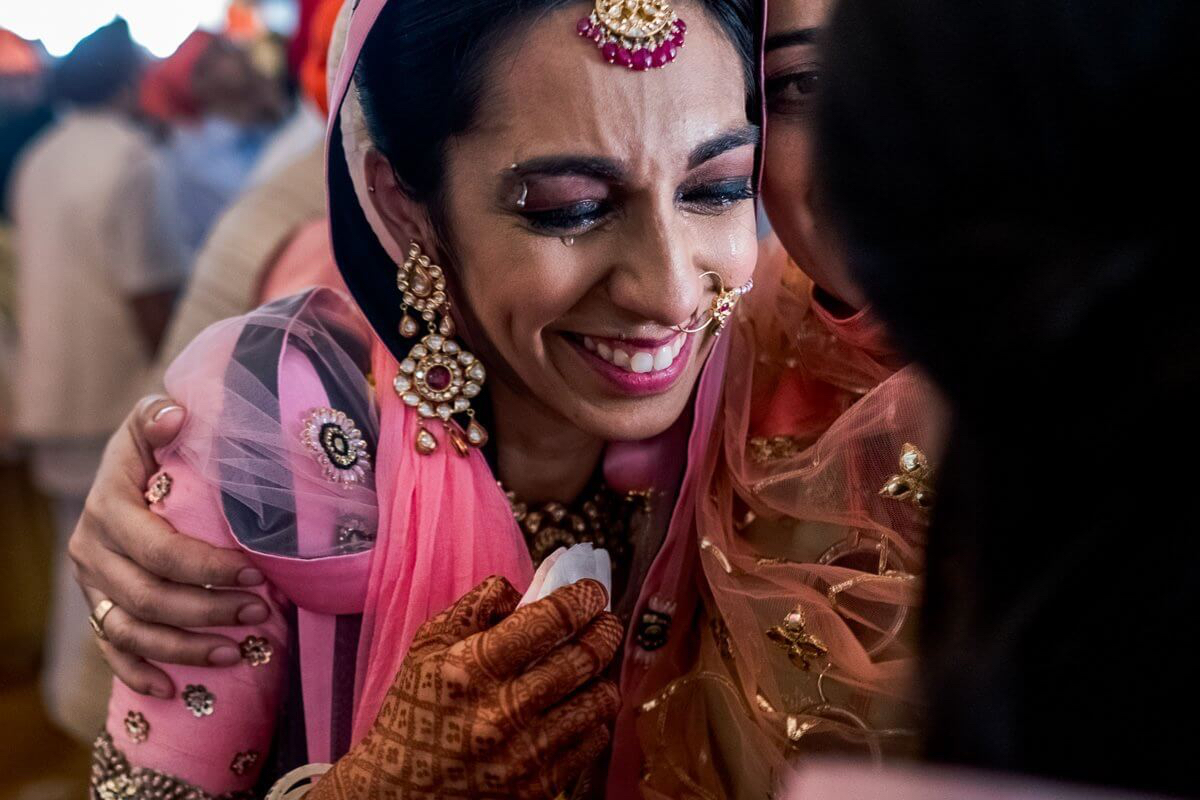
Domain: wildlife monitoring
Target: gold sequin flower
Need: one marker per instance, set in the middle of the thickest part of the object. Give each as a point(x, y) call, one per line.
point(159, 489)
point(243, 762)
point(256, 651)
point(136, 726)
point(199, 700)
point(338, 445)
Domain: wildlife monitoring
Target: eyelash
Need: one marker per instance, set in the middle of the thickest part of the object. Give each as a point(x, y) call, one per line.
point(779, 103)
point(579, 218)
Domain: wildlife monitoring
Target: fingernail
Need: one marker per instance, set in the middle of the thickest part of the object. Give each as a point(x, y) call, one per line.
point(161, 692)
point(249, 577)
point(224, 656)
point(252, 614)
point(162, 412)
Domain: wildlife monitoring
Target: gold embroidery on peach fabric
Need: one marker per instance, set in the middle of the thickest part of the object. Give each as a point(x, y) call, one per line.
point(765, 449)
point(801, 646)
point(707, 546)
point(914, 483)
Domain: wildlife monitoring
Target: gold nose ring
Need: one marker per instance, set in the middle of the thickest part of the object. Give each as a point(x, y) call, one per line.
point(722, 305)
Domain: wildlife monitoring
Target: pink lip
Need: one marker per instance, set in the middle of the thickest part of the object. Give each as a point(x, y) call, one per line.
point(632, 383)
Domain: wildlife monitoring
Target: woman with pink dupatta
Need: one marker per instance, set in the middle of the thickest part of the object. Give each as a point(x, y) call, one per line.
point(800, 428)
point(542, 238)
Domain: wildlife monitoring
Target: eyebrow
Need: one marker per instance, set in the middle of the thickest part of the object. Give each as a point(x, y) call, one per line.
point(591, 166)
point(792, 38)
point(723, 143)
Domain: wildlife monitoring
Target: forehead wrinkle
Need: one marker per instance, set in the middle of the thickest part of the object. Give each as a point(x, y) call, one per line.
point(670, 110)
point(784, 15)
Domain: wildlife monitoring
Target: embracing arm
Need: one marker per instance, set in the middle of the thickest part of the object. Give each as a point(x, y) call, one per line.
point(211, 734)
point(124, 552)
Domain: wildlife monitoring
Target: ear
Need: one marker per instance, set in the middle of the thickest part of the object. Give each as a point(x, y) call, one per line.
point(405, 219)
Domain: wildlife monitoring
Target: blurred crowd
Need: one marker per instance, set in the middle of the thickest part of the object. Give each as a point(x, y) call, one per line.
point(115, 169)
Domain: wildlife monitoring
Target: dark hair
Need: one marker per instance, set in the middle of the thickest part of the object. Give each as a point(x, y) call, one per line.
point(1007, 177)
point(422, 73)
point(99, 67)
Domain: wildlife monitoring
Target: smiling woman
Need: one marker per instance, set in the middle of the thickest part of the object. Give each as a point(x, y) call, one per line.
point(541, 243)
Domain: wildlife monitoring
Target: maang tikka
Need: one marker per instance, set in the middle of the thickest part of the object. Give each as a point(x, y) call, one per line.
point(636, 34)
point(438, 378)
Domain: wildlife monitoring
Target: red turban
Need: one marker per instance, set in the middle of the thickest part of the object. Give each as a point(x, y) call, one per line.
point(167, 91)
point(316, 57)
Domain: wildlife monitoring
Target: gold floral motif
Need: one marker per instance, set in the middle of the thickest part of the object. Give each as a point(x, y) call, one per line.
point(243, 762)
point(159, 489)
point(256, 651)
point(199, 700)
point(136, 727)
point(764, 450)
point(802, 647)
point(914, 483)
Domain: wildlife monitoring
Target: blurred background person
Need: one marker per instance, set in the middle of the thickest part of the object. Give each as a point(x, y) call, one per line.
point(304, 129)
point(221, 112)
point(274, 239)
point(24, 112)
point(26, 531)
point(95, 286)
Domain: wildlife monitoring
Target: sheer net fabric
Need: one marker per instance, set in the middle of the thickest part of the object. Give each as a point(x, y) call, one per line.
point(244, 473)
point(809, 576)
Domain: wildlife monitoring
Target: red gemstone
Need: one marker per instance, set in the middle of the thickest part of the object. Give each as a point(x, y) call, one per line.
point(661, 56)
point(625, 57)
point(584, 27)
point(681, 25)
point(642, 60)
point(610, 52)
point(677, 38)
point(438, 378)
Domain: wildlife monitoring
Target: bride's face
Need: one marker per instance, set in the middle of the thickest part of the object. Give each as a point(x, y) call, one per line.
point(633, 184)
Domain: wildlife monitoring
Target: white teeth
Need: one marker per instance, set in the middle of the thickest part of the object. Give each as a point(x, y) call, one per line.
point(664, 357)
point(641, 363)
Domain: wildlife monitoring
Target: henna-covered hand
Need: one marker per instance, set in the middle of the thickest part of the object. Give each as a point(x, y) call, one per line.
point(491, 702)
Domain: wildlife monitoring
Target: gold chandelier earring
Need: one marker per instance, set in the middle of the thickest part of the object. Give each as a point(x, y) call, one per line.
point(438, 379)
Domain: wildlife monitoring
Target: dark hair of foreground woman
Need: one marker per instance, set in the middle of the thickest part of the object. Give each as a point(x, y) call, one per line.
point(1009, 178)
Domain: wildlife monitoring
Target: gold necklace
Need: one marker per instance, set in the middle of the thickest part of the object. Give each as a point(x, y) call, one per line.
point(603, 519)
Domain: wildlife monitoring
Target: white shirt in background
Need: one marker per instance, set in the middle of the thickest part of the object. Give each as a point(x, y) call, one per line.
point(87, 241)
